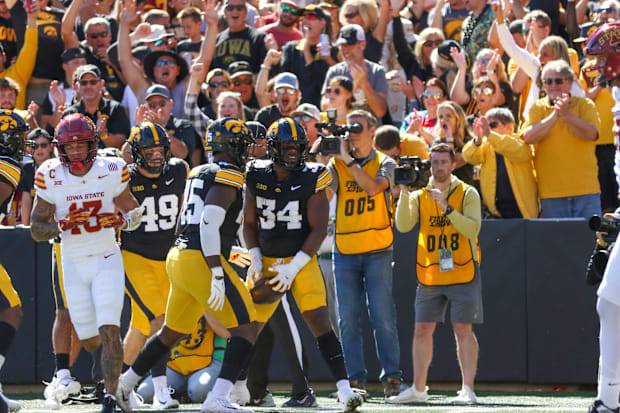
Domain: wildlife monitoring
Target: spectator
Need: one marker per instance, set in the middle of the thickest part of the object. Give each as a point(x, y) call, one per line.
point(369, 84)
point(61, 94)
point(564, 129)
point(304, 58)
point(243, 83)
point(476, 27)
point(9, 40)
point(422, 123)
point(41, 149)
point(448, 16)
point(191, 20)
point(448, 271)
point(338, 95)
point(307, 115)
point(287, 96)
point(229, 105)
point(363, 253)
point(25, 64)
point(109, 116)
point(443, 64)
point(371, 19)
point(417, 63)
point(239, 41)
point(218, 81)
point(507, 181)
point(285, 29)
point(453, 129)
point(388, 140)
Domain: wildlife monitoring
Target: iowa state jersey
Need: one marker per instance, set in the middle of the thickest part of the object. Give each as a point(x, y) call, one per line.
point(160, 200)
point(10, 173)
point(94, 192)
point(281, 207)
point(200, 180)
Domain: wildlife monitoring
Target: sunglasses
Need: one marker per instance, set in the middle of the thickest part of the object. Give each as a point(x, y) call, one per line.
point(351, 15)
point(430, 43)
point(155, 105)
point(551, 80)
point(283, 90)
point(289, 9)
point(330, 89)
point(436, 95)
point(161, 42)
point(245, 81)
point(215, 85)
point(233, 7)
point(166, 63)
point(493, 124)
point(97, 35)
point(43, 145)
point(304, 118)
point(483, 90)
point(605, 10)
point(310, 16)
point(91, 82)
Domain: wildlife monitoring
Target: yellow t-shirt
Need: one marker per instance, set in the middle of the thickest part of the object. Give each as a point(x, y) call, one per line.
point(411, 145)
point(565, 164)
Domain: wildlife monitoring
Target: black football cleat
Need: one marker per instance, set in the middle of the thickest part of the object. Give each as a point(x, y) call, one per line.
point(599, 407)
point(108, 405)
point(4, 408)
point(305, 399)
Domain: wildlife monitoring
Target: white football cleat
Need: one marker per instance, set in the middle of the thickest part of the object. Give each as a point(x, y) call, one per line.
point(125, 396)
point(215, 405)
point(12, 405)
point(59, 390)
point(465, 396)
point(239, 393)
point(411, 395)
point(349, 399)
point(162, 399)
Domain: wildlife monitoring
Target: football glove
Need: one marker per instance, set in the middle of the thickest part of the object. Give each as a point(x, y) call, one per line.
point(240, 257)
point(255, 271)
point(73, 219)
point(218, 289)
point(111, 220)
point(286, 273)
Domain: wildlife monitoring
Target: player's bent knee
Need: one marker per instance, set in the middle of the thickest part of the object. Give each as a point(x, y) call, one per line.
point(318, 321)
point(91, 344)
point(168, 336)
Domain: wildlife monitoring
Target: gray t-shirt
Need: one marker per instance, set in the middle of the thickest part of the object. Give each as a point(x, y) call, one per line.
point(376, 78)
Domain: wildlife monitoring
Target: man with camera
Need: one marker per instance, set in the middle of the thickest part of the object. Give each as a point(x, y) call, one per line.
point(448, 272)
point(363, 251)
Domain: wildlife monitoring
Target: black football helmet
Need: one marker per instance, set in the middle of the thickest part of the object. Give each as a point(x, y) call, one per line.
point(13, 130)
point(149, 135)
point(231, 136)
point(287, 131)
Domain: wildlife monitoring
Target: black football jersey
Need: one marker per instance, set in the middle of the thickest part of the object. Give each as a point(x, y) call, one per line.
point(160, 199)
point(200, 180)
point(281, 206)
point(10, 174)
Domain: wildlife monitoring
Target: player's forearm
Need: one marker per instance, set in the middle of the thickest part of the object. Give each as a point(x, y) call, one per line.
point(43, 231)
point(314, 240)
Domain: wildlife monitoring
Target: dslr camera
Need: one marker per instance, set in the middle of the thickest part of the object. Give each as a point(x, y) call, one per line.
point(330, 144)
point(412, 171)
point(600, 255)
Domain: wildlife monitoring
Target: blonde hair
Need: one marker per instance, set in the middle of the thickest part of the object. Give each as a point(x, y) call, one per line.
point(234, 96)
point(462, 133)
point(419, 44)
point(559, 47)
point(367, 9)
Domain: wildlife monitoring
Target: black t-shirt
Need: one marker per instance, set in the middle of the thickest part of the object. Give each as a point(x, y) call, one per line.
point(118, 122)
point(113, 82)
point(373, 49)
point(182, 129)
point(8, 38)
point(188, 46)
point(505, 200)
point(48, 64)
point(247, 45)
point(268, 115)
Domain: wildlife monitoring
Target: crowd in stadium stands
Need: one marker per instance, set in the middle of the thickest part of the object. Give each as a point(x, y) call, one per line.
point(505, 84)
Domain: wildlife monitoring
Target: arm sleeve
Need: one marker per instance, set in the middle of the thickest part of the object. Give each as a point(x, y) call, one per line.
point(512, 148)
point(22, 70)
point(524, 59)
point(407, 211)
point(469, 222)
point(406, 58)
point(472, 153)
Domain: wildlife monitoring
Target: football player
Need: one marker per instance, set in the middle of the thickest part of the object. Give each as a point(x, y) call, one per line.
point(76, 196)
point(12, 137)
point(157, 181)
point(284, 222)
point(604, 43)
point(200, 277)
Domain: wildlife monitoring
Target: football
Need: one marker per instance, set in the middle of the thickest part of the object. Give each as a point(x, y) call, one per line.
point(262, 293)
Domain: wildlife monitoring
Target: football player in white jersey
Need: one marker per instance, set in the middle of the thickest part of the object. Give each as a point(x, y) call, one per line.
point(77, 195)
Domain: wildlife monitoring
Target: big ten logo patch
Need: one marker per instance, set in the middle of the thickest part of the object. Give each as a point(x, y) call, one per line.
point(352, 186)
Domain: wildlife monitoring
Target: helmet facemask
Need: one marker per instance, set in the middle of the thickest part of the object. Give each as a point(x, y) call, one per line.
point(278, 153)
point(12, 143)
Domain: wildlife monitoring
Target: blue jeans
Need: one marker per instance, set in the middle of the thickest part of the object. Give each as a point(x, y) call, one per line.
point(582, 206)
point(364, 284)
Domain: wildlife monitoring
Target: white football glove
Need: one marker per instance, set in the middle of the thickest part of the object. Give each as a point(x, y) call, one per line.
point(286, 273)
point(218, 289)
point(240, 257)
point(255, 271)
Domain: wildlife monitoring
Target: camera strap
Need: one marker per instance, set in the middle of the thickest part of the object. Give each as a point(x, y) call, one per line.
point(446, 260)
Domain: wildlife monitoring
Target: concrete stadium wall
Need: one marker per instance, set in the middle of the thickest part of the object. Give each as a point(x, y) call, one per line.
point(540, 318)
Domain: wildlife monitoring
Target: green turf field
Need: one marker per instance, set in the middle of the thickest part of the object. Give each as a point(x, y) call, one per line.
point(488, 401)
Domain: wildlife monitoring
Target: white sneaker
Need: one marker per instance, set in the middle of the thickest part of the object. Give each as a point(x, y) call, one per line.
point(239, 393)
point(124, 396)
point(136, 402)
point(350, 400)
point(465, 396)
point(163, 401)
point(411, 395)
point(11, 404)
point(215, 405)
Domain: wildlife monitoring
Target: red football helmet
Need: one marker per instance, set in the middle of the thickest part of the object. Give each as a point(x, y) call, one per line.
point(604, 43)
point(76, 128)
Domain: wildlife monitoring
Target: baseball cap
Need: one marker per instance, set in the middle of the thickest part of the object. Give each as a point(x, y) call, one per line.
point(317, 11)
point(350, 34)
point(239, 68)
point(84, 69)
point(158, 90)
point(38, 133)
point(217, 72)
point(584, 31)
point(72, 53)
point(343, 81)
point(444, 49)
point(158, 31)
point(307, 109)
point(286, 79)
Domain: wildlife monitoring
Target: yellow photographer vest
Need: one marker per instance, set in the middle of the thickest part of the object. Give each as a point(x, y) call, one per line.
point(436, 232)
point(363, 223)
